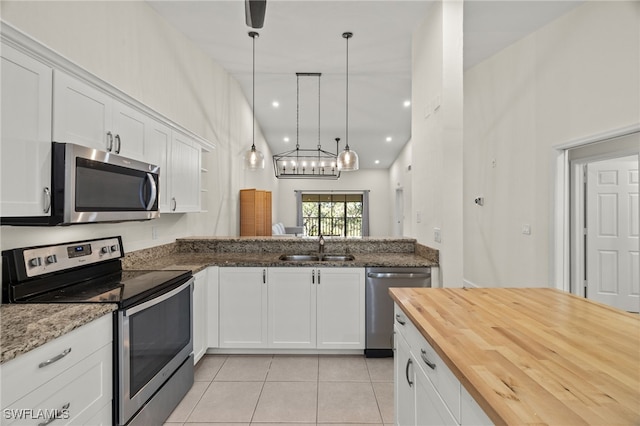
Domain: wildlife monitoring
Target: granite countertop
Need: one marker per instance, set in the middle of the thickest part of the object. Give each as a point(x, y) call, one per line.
point(196, 262)
point(24, 327)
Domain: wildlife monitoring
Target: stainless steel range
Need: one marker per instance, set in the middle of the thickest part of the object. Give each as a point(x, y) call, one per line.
point(153, 332)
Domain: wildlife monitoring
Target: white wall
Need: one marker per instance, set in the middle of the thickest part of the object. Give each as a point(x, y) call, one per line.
point(377, 181)
point(577, 76)
point(436, 140)
point(128, 45)
point(400, 178)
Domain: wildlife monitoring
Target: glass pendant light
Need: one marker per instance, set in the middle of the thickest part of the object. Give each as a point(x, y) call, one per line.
point(254, 159)
point(348, 160)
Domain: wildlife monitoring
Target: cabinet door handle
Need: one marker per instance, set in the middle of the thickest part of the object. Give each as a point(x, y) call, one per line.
point(118, 144)
point(313, 276)
point(47, 200)
point(55, 358)
point(58, 414)
point(264, 276)
point(318, 277)
point(175, 204)
point(400, 319)
point(109, 141)
point(423, 355)
point(406, 372)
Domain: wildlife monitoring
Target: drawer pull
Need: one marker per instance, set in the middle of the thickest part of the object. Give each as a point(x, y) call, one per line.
point(400, 319)
point(423, 355)
point(406, 372)
point(59, 414)
point(55, 358)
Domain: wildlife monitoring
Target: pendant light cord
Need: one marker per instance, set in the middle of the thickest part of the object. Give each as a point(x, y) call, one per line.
point(253, 35)
point(347, 35)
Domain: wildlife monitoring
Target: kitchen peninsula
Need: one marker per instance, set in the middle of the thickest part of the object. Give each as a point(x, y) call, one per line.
point(530, 356)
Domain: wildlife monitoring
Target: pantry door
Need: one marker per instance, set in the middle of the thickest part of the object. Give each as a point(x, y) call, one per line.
point(612, 233)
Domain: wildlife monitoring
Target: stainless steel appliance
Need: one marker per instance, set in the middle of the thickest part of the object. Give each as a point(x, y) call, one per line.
point(153, 331)
point(88, 185)
point(379, 305)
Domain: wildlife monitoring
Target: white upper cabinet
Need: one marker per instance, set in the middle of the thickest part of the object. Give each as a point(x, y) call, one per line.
point(81, 113)
point(25, 134)
point(90, 117)
point(184, 174)
point(129, 128)
point(157, 148)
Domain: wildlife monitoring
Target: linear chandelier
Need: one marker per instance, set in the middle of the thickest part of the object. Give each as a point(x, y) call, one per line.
point(306, 163)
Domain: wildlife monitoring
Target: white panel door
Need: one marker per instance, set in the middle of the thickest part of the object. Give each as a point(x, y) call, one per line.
point(25, 126)
point(129, 131)
point(292, 308)
point(341, 317)
point(185, 174)
point(200, 330)
point(243, 307)
point(157, 145)
point(613, 224)
point(404, 382)
point(81, 114)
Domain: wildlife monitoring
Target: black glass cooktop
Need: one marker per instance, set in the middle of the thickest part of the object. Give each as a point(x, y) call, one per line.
point(125, 288)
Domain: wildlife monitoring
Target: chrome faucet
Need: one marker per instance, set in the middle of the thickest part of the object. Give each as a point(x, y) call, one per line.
point(321, 245)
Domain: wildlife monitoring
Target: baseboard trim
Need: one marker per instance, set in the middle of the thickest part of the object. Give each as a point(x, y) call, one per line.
point(469, 284)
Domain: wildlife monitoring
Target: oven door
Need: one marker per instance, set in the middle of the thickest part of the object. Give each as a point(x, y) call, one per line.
point(155, 338)
point(102, 187)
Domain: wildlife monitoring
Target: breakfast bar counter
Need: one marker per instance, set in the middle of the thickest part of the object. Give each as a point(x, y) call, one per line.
point(533, 355)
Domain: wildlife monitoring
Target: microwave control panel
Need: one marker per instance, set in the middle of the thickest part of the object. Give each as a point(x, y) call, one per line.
point(55, 258)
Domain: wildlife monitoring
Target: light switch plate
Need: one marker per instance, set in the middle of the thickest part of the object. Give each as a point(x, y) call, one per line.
point(526, 229)
point(437, 235)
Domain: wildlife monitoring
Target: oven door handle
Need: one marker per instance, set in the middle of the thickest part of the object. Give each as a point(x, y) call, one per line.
point(159, 299)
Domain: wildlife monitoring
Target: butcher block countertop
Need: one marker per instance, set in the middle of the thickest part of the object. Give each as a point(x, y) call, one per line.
point(534, 356)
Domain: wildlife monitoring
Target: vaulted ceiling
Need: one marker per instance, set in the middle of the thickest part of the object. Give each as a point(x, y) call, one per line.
point(306, 36)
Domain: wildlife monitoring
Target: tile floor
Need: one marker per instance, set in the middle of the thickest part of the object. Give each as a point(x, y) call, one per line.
point(291, 390)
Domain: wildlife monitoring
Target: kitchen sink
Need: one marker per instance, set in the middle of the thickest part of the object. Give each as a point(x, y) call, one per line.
point(317, 257)
point(337, 257)
point(300, 257)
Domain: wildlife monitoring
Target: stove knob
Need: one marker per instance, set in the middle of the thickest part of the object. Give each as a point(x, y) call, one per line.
point(35, 262)
point(114, 248)
point(104, 250)
point(51, 259)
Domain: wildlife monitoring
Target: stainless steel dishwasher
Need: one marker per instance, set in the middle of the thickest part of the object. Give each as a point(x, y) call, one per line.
point(379, 305)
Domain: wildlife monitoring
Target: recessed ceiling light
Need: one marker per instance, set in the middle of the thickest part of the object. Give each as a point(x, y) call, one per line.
point(286, 139)
point(275, 104)
point(377, 161)
point(407, 104)
point(389, 139)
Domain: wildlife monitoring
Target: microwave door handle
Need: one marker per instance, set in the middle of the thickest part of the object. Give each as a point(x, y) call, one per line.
point(154, 191)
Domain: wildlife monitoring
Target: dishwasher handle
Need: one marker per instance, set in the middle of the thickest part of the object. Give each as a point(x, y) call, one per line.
point(409, 275)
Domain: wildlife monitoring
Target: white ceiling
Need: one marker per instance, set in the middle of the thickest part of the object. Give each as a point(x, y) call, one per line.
point(306, 36)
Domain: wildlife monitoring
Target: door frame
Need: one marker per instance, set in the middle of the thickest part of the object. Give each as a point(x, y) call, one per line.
point(561, 260)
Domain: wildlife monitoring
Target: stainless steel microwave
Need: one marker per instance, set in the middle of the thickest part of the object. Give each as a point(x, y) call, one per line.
point(89, 186)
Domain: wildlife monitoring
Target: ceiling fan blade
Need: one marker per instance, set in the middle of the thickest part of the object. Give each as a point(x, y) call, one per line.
point(254, 12)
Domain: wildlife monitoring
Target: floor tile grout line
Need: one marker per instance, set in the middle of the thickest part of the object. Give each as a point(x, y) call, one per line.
point(205, 390)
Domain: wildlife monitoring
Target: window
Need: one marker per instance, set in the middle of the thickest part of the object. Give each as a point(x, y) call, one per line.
point(338, 215)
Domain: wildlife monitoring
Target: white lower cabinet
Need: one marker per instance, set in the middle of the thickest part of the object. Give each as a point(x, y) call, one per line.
point(243, 307)
point(68, 379)
point(291, 308)
point(426, 390)
point(341, 304)
point(200, 323)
